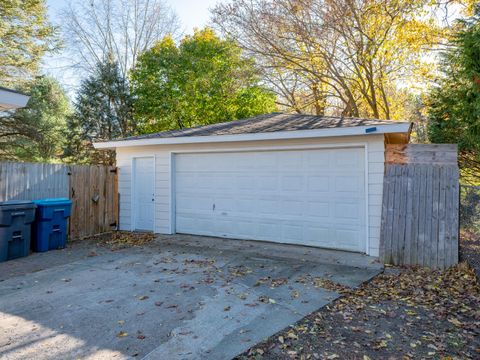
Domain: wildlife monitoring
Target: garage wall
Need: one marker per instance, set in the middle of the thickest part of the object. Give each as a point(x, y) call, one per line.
point(162, 155)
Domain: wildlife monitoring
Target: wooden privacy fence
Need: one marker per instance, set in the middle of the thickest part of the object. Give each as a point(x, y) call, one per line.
point(420, 206)
point(92, 189)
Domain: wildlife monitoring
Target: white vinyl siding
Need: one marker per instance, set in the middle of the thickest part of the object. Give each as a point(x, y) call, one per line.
point(163, 175)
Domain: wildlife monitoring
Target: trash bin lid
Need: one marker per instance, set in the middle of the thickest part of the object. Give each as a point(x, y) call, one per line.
point(53, 201)
point(17, 204)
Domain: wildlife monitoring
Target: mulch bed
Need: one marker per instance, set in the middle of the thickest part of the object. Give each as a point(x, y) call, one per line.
point(409, 313)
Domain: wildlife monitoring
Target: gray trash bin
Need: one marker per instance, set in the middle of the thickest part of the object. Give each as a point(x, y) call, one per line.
point(16, 219)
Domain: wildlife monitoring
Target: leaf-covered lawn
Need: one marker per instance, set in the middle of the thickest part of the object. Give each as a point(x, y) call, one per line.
point(401, 314)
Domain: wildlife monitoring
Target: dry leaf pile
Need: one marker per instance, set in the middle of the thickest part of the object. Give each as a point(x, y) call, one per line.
point(406, 314)
point(123, 239)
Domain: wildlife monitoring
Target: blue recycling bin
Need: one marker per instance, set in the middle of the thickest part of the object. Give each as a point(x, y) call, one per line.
point(16, 218)
point(51, 224)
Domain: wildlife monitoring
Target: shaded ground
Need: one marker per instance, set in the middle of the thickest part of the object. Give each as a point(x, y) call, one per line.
point(175, 297)
point(470, 249)
point(401, 314)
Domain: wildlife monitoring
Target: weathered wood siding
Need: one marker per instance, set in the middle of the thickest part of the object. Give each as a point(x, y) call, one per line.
point(92, 189)
point(420, 206)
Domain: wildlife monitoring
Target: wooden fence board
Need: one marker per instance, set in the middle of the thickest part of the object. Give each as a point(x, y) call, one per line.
point(441, 218)
point(385, 235)
point(92, 189)
point(408, 241)
point(456, 204)
point(30, 181)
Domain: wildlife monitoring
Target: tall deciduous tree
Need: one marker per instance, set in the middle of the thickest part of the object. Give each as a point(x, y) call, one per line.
point(99, 29)
point(454, 104)
point(102, 111)
point(334, 56)
point(35, 133)
point(204, 80)
point(25, 36)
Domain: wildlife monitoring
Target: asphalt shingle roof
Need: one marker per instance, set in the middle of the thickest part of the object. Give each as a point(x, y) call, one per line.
point(266, 124)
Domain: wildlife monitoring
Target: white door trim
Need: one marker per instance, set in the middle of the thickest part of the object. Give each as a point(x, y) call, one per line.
point(132, 195)
point(271, 148)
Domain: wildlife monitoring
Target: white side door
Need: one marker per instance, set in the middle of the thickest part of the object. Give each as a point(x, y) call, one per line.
point(144, 193)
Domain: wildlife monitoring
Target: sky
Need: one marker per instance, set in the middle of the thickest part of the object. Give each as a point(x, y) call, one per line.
point(192, 14)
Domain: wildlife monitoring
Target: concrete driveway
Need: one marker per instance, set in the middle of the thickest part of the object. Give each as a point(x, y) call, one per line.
point(181, 297)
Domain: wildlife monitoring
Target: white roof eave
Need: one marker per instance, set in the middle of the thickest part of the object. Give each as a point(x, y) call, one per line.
point(403, 127)
point(10, 100)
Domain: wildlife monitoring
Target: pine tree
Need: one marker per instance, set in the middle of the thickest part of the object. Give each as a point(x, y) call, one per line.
point(102, 111)
point(25, 36)
point(454, 105)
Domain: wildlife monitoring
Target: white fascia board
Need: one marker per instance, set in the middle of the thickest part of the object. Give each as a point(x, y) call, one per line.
point(278, 135)
point(12, 100)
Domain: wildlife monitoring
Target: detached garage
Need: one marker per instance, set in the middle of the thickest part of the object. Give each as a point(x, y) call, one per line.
point(286, 178)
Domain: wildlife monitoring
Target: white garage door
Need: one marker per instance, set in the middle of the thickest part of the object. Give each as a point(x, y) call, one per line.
point(309, 197)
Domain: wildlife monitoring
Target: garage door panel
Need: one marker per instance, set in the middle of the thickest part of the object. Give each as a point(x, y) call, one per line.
point(345, 157)
point(289, 161)
point(316, 234)
point(245, 182)
point(195, 202)
point(268, 230)
point(246, 229)
point(318, 209)
point(267, 206)
point(346, 237)
point(311, 197)
point(318, 159)
point(292, 233)
point(292, 183)
point(267, 183)
point(245, 205)
point(293, 207)
point(346, 210)
point(318, 183)
point(348, 183)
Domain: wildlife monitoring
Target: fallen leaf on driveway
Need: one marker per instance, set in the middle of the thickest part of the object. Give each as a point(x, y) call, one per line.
point(122, 334)
point(143, 297)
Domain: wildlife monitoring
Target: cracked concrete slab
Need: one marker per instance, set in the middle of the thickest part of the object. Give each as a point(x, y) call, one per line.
point(181, 297)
